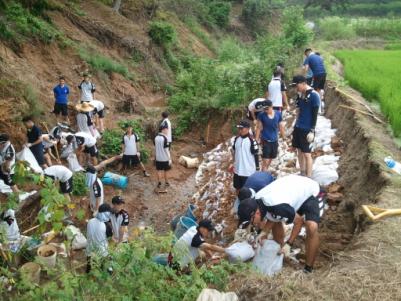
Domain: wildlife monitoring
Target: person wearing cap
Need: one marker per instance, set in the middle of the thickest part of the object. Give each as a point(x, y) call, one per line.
point(95, 185)
point(49, 143)
point(163, 158)
point(7, 161)
point(303, 135)
point(87, 88)
point(166, 123)
point(258, 180)
point(269, 123)
point(119, 220)
point(98, 231)
point(61, 92)
point(86, 143)
point(34, 135)
point(131, 155)
point(245, 155)
point(84, 118)
point(186, 249)
point(290, 199)
point(99, 113)
point(315, 63)
point(254, 108)
point(63, 175)
point(276, 92)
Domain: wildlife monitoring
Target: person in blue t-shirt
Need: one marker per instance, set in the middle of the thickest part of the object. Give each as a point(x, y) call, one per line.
point(61, 92)
point(269, 123)
point(315, 63)
point(304, 131)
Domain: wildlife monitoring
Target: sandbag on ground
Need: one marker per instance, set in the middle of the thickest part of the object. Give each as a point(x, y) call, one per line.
point(208, 294)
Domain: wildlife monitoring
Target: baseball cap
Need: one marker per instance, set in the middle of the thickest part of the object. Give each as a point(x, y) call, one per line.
point(4, 138)
point(246, 209)
point(117, 200)
point(298, 79)
point(243, 124)
point(104, 208)
point(206, 223)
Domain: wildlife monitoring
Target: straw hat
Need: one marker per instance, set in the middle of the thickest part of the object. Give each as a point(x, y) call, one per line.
point(84, 107)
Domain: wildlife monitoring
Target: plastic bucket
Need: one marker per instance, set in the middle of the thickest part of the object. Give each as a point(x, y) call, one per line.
point(184, 224)
point(119, 181)
point(175, 221)
point(190, 212)
point(161, 259)
point(31, 271)
point(47, 255)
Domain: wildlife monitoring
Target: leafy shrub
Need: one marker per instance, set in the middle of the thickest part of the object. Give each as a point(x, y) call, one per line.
point(79, 187)
point(254, 12)
point(220, 12)
point(294, 27)
point(386, 28)
point(335, 28)
point(162, 33)
point(200, 33)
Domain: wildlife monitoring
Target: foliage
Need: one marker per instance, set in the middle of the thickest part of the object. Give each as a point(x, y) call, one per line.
point(20, 24)
point(335, 28)
point(365, 70)
point(386, 28)
point(294, 27)
point(162, 33)
point(79, 187)
point(219, 11)
point(326, 4)
point(196, 29)
point(102, 63)
point(254, 12)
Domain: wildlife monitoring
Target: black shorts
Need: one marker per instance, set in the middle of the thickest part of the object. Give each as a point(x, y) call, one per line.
point(66, 187)
point(6, 177)
point(91, 150)
point(37, 151)
point(163, 165)
point(310, 208)
point(130, 160)
point(269, 150)
point(239, 181)
point(299, 140)
point(319, 81)
point(60, 108)
point(100, 113)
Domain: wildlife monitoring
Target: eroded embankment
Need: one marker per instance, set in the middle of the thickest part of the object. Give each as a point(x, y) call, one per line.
point(369, 267)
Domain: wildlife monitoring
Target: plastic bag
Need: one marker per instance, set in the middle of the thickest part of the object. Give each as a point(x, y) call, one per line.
point(73, 163)
point(26, 155)
point(240, 252)
point(208, 294)
point(266, 259)
point(78, 239)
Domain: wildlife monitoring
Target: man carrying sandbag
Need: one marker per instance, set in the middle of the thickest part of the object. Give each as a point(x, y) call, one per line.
point(290, 199)
point(186, 249)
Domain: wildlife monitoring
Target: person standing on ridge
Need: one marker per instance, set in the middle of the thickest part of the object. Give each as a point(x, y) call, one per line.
point(61, 92)
point(87, 88)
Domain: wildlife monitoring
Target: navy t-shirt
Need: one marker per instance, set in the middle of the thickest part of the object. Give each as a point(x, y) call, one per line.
point(61, 94)
point(34, 134)
point(259, 180)
point(315, 63)
point(270, 126)
point(311, 100)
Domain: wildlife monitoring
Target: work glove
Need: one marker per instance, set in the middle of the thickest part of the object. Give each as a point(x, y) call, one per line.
point(311, 136)
point(170, 162)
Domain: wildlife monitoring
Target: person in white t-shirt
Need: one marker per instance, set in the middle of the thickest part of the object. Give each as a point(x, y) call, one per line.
point(7, 161)
point(131, 154)
point(290, 199)
point(98, 231)
point(87, 88)
point(63, 175)
point(99, 113)
point(254, 108)
point(84, 118)
point(166, 123)
point(186, 249)
point(119, 220)
point(276, 92)
point(87, 144)
point(163, 160)
point(95, 186)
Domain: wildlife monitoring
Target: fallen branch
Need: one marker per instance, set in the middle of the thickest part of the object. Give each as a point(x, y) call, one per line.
point(363, 112)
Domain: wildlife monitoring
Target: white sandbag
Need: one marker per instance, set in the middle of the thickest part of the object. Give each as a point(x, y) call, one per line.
point(240, 252)
point(324, 174)
point(73, 163)
point(26, 155)
point(326, 160)
point(188, 162)
point(78, 239)
point(208, 294)
point(266, 259)
point(5, 188)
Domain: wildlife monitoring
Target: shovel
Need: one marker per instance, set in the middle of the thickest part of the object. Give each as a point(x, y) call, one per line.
point(375, 213)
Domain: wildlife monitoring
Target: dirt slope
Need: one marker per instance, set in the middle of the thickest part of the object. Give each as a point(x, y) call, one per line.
point(369, 267)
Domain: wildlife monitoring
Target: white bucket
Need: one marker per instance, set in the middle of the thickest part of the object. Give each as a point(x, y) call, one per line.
point(47, 255)
point(31, 271)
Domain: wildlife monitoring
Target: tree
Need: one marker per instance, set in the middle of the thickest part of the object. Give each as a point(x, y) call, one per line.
point(117, 5)
point(326, 4)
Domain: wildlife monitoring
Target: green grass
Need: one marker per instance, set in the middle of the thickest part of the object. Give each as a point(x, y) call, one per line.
point(377, 75)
